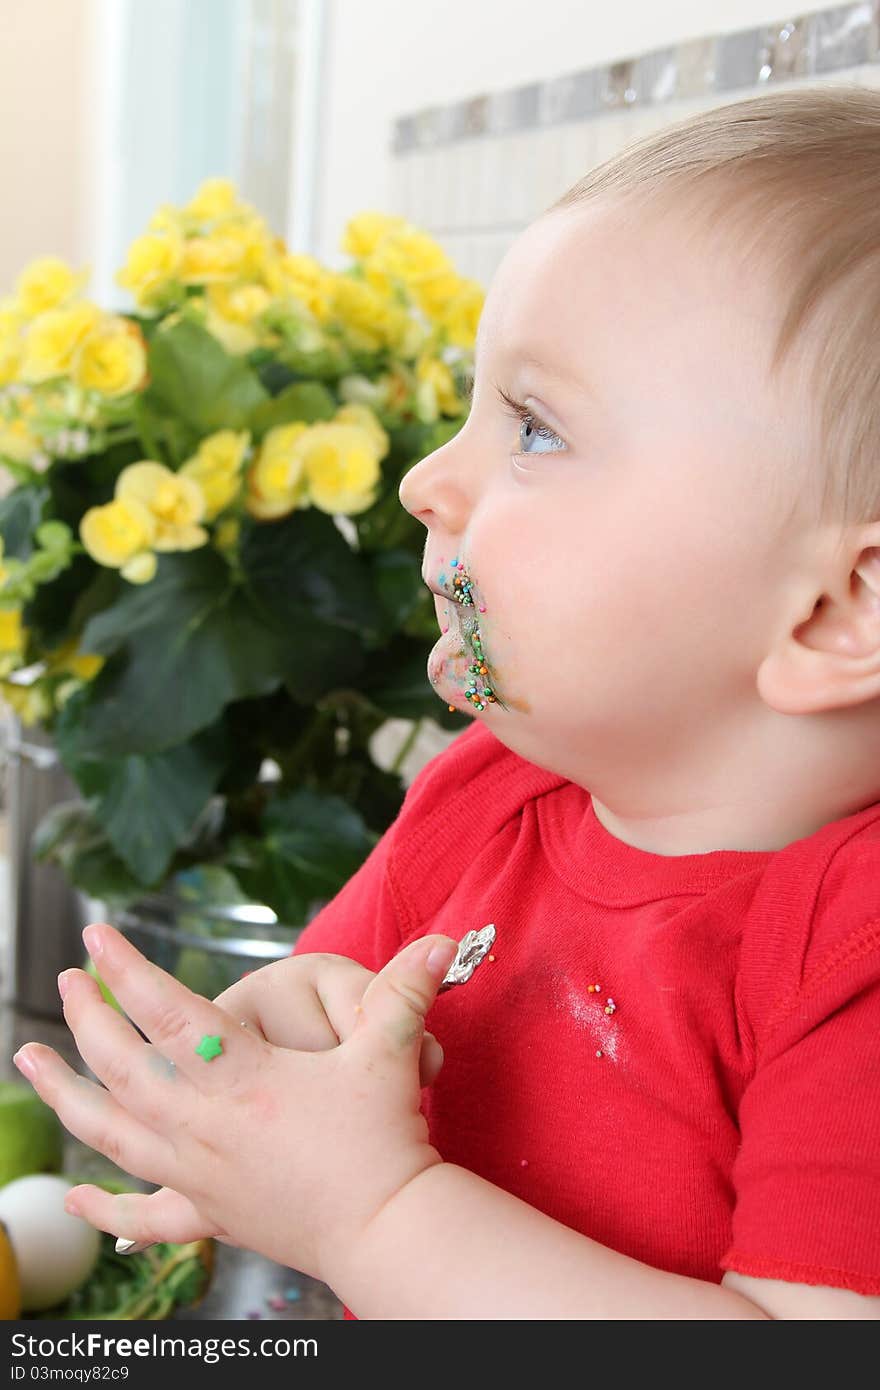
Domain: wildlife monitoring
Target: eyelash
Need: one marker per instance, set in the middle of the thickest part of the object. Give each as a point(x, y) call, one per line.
point(522, 413)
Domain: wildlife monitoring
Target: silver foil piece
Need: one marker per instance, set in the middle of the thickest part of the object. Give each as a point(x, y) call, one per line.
point(472, 949)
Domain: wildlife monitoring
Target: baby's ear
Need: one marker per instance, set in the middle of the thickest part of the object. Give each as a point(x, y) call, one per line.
point(831, 658)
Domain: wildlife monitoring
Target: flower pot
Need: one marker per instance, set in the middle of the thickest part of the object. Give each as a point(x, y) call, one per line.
point(44, 910)
point(206, 947)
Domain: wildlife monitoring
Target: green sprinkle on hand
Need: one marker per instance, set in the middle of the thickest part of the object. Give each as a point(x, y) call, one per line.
point(210, 1047)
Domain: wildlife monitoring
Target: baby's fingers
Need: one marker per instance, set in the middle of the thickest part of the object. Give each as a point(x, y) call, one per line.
point(142, 1218)
point(340, 992)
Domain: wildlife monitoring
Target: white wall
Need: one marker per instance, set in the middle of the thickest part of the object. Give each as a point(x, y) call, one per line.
point(42, 151)
point(387, 58)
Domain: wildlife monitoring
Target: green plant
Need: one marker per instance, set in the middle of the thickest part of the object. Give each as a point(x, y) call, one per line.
point(205, 568)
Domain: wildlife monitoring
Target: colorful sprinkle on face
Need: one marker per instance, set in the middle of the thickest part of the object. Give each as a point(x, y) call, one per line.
point(210, 1047)
point(480, 692)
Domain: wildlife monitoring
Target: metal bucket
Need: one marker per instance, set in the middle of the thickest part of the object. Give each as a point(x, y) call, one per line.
point(207, 948)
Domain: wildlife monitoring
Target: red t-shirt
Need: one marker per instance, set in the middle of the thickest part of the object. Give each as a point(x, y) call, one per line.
point(732, 1119)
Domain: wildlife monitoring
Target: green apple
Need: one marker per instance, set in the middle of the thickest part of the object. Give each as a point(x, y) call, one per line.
point(31, 1136)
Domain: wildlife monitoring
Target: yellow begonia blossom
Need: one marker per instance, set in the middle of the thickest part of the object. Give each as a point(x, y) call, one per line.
point(176, 504)
point(84, 665)
point(54, 338)
point(231, 313)
point(212, 199)
point(48, 283)
point(461, 316)
point(371, 321)
point(13, 323)
point(153, 261)
point(140, 569)
point(361, 415)
point(68, 658)
point(112, 359)
point(435, 391)
point(275, 479)
point(32, 703)
point(116, 532)
point(341, 468)
point(216, 468)
point(235, 252)
point(300, 277)
point(405, 256)
point(12, 638)
point(17, 440)
point(363, 232)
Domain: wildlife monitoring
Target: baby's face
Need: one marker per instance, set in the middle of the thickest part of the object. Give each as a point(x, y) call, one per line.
point(621, 543)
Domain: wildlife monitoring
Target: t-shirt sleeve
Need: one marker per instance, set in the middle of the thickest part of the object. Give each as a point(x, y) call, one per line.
point(807, 1173)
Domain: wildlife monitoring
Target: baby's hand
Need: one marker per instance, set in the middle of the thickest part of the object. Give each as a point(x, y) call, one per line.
point(311, 1003)
point(290, 1152)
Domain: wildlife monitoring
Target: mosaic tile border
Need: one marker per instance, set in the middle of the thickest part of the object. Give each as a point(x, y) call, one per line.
point(845, 36)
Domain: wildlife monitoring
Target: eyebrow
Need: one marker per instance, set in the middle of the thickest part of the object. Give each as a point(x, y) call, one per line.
point(530, 359)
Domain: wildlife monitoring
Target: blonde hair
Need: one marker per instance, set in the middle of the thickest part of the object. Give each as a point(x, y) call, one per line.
point(801, 171)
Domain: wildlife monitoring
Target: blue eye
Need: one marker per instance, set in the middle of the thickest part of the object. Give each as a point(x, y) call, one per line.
point(531, 426)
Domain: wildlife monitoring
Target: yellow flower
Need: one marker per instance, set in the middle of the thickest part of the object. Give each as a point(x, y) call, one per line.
point(363, 232)
point(300, 277)
point(112, 359)
point(54, 338)
point(275, 483)
point(46, 284)
point(367, 315)
point(140, 568)
point(219, 257)
point(461, 315)
point(216, 468)
point(239, 303)
point(84, 665)
point(153, 260)
point(12, 323)
point(175, 504)
point(341, 468)
point(361, 415)
point(68, 658)
point(232, 311)
point(406, 256)
point(31, 703)
point(435, 392)
point(11, 632)
point(17, 440)
point(213, 198)
point(116, 532)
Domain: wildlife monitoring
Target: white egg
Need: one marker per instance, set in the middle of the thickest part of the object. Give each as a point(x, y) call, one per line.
point(55, 1252)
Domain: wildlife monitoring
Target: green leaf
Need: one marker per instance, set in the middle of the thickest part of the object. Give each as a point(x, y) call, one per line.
point(397, 683)
point(187, 643)
point(304, 400)
point(69, 835)
point(147, 804)
point(312, 845)
point(397, 576)
point(304, 562)
point(21, 512)
point(305, 578)
point(196, 380)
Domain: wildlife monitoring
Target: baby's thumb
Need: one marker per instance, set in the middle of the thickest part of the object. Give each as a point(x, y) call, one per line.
point(393, 1008)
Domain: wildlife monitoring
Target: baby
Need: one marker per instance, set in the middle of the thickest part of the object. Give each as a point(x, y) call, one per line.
point(655, 546)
